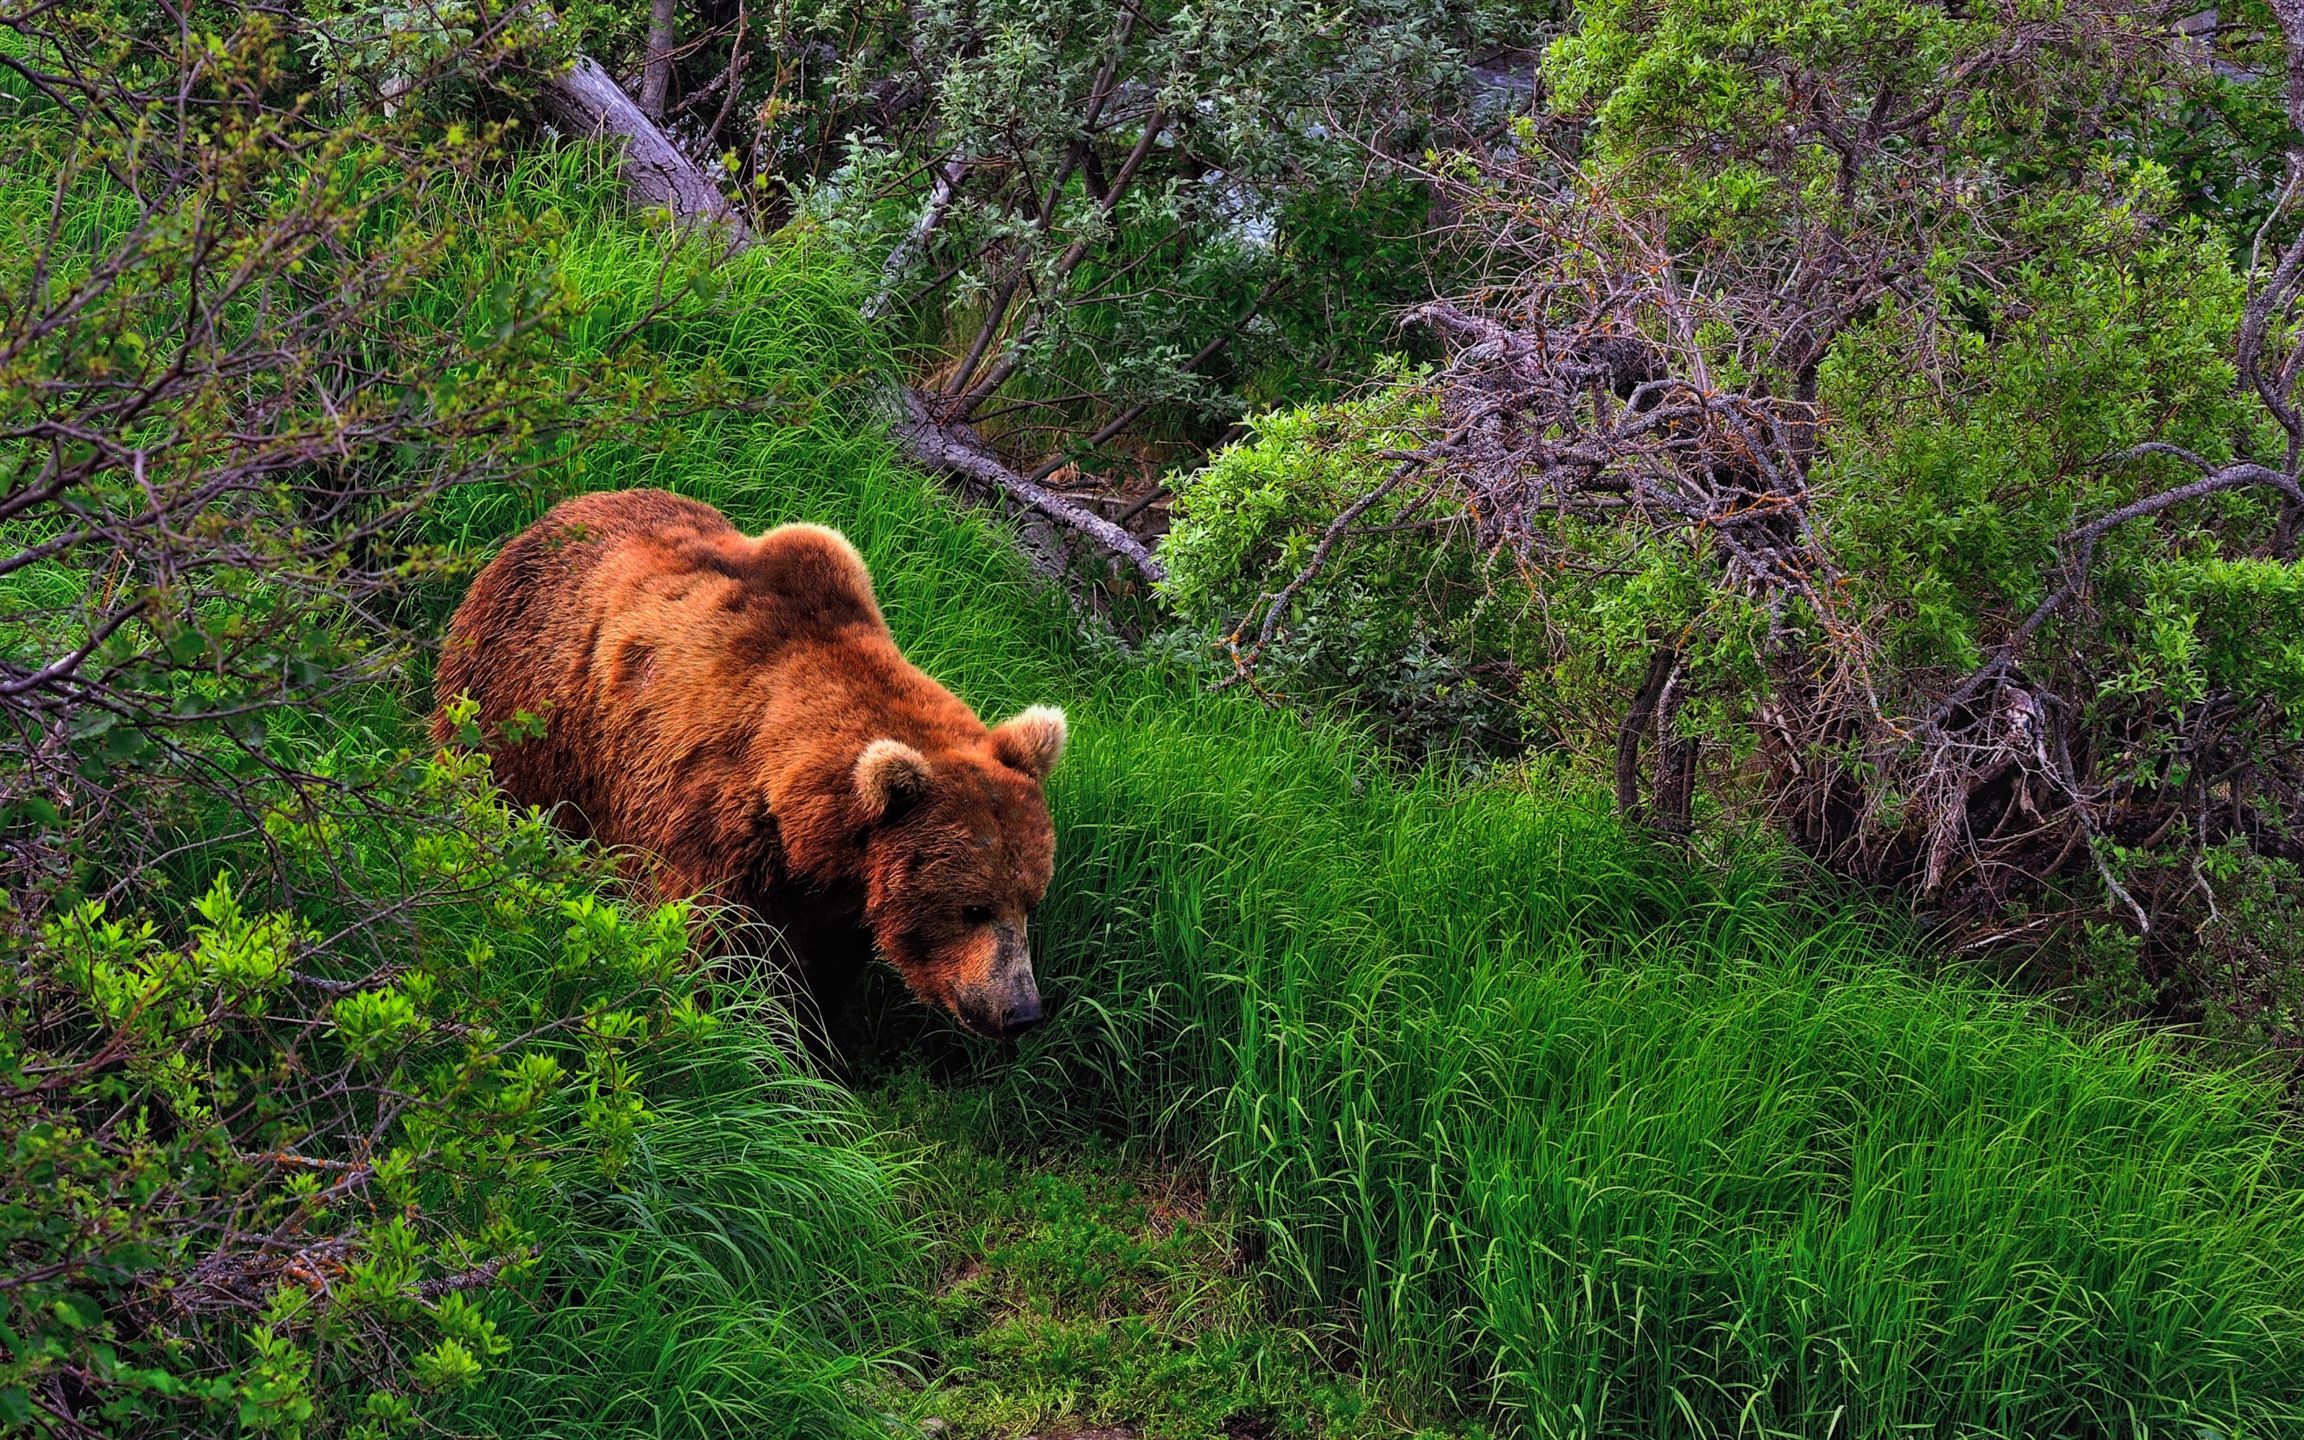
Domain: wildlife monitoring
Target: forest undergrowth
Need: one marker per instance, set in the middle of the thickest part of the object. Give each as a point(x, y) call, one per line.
point(1370, 1098)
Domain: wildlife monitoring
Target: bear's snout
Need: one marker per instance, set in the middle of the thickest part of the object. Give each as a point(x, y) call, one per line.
point(1006, 1003)
point(1003, 1016)
point(1022, 1016)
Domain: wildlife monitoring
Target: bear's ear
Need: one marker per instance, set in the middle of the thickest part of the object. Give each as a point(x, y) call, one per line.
point(890, 775)
point(1030, 742)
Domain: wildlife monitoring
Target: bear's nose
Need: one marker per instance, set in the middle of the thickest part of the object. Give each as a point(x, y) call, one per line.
point(1020, 1017)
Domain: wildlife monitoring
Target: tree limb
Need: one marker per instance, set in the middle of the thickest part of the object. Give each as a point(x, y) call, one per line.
point(2237, 476)
point(1662, 662)
point(948, 176)
point(954, 450)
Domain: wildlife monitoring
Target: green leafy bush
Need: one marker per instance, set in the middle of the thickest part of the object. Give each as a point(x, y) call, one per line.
point(256, 1184)
point(1914, 470)
point(1106, 234)
point(260, 1184)
point(1415, 628)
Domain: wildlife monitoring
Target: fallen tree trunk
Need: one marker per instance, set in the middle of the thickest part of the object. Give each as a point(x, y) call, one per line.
point(587, 101)
point(954, 450)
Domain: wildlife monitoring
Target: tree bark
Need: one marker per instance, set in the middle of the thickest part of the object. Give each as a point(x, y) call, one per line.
point(915, 241)
point(656, 75)
point(1673, 811)
point(587, 101)
point(1661, 665)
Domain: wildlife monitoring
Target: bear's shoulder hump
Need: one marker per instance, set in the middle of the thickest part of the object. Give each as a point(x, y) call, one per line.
point(814, 564)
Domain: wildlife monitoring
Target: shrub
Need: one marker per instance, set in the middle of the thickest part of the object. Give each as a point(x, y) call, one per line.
point(264, 1185)
point(256, 1184)
point(1868, 472)
point(1415, 628)
point(1109, 232)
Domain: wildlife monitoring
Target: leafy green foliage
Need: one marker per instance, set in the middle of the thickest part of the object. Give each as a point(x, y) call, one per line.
point(2218, 127)
point(1731, 116)
point(1951, 496)
point(281, 1201)
point(1951, 490)
point(1414, 627)
point(1142, 221)
point(249, 1178)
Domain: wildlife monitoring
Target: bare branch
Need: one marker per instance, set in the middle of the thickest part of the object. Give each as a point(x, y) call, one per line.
point(953, 450)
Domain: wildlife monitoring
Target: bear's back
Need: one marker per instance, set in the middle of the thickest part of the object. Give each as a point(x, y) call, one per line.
point(797, 579)
point(633, 620)
point(646, 568)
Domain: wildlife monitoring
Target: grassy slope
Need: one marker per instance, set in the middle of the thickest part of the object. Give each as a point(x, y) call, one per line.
point(1525, 1118)
point(1529, 1118)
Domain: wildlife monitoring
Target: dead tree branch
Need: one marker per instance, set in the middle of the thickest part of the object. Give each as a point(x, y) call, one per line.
point(954, 450)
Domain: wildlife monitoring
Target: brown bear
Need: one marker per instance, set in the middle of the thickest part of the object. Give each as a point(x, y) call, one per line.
point(733, 708)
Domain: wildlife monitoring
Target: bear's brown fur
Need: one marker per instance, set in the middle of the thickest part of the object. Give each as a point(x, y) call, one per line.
point(734, 708)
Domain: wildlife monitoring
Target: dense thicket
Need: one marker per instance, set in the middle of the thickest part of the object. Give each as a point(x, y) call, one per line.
point(1876, 419)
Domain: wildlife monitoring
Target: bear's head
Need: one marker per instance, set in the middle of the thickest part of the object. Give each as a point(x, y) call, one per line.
point(958, 851)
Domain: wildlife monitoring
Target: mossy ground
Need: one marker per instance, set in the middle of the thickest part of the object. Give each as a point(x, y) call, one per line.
point(1084, 1290)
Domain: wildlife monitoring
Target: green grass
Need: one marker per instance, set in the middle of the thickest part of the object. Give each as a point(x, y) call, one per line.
point(747, 1274)
point(1617, 1148)
point(1083, 1286)
point(1532, 1121)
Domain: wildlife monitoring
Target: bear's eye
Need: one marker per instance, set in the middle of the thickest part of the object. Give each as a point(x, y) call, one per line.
point(977, 915)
